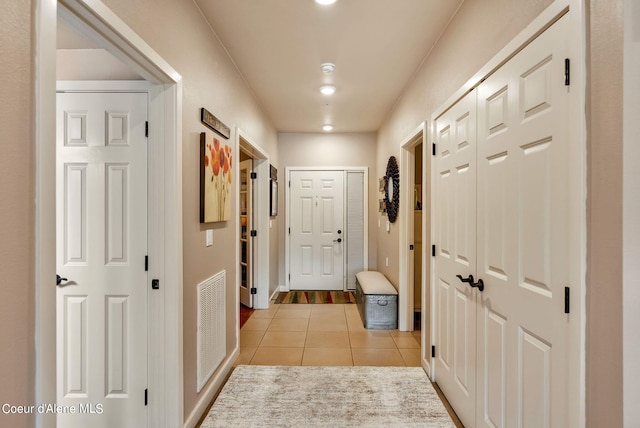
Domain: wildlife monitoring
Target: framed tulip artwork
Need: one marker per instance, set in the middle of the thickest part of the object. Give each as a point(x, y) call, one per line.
point(216, 161)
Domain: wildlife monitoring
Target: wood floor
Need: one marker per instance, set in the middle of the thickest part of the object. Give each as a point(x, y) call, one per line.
point(245, 314)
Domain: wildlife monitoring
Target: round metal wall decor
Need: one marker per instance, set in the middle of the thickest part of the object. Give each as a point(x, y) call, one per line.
point(392, 189)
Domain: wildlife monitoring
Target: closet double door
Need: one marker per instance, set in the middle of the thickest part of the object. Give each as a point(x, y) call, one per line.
point(502, 236)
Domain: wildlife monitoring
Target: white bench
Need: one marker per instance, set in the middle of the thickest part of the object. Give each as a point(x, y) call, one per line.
point(377, 301)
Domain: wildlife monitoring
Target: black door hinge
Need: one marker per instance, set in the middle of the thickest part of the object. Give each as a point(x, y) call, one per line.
point(433, 351)
point(146, 397)
point(146, 129)
point(254, 290)
point(254, 175)
point(433, 251)
point(289, 183)
point(433, 149)
point(567, 71)
point(289, 277)
point(411, 247)
point(155, 284)
point(567, 300)
point(254, 233)
point(146, 263)
point(289, 231)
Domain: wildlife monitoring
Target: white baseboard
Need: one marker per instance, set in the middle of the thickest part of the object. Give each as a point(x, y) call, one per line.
point(275, 292)
point(215, 385)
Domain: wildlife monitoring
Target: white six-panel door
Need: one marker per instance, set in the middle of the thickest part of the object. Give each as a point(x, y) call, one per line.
point(101, 246)
point(523, 237)
point(506, 345)
point(455, 233)
point(317, 235)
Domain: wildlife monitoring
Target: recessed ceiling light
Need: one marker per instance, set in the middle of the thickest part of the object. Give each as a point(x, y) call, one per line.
point(328, 67)
point(325, 2)
point(328, 90)
point(327, 128)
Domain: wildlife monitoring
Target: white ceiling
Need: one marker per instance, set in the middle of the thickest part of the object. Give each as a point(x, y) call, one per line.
point(377, 46)
point(279, 45)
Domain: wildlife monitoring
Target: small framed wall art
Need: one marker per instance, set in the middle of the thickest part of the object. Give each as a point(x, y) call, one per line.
point(216, 162)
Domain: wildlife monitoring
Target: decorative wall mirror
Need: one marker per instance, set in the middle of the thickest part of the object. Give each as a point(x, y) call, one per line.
point(392, 189)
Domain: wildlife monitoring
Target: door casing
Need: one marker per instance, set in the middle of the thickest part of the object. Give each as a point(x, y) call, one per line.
point(406, 220)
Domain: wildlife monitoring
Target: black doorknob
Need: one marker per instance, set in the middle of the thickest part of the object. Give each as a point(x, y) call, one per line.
point(338, 240)
point(339, 231)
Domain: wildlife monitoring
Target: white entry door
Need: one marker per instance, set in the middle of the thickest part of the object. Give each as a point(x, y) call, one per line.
point(317, 235)
point(503, 209)
point(246, 225)
point(101, 248)
point(455, 234)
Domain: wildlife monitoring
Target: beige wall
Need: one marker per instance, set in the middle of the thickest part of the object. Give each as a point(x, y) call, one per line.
point(178, 32)
point(349, 149)
point(17, 190)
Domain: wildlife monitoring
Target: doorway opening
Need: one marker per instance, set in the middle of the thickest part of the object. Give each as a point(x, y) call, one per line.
point(253, 236)
point(247, 231)
point(417, 236)
point(164, 321)
point(414, 270)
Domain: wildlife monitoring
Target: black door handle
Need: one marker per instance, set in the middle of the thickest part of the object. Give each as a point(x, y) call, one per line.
point(468, 280)
point(479, 285)
point(339, 231)
point(59, 279)
point(339, 240)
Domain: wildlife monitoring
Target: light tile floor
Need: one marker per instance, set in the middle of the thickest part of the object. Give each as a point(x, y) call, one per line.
point(322, 335)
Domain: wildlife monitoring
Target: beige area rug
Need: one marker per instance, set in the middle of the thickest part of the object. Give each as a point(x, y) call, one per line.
point(277, 396)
